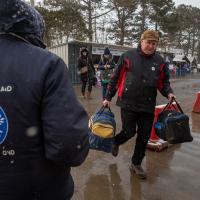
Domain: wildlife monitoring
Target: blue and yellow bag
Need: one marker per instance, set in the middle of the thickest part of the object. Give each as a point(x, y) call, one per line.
point(102, 127)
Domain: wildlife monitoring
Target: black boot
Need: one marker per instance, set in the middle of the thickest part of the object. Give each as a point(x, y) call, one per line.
point(139, 171)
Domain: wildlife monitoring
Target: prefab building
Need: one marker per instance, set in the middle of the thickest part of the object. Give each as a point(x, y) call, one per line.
point(70, 51)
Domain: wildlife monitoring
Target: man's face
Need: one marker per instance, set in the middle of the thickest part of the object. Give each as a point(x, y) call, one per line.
point(148, 46)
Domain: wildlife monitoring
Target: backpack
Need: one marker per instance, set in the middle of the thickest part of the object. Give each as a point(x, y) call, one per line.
point(173, 125)
point(102, 127)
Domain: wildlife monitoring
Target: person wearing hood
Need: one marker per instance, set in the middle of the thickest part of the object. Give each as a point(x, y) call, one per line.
point(138, 75)
point(86, 71)
point(43, 128)
point(106, 66)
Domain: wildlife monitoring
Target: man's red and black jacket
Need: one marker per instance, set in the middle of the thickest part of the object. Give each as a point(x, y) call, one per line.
point(137, 78)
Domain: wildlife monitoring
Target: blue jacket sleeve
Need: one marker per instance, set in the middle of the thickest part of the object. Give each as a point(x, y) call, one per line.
point(65, 122)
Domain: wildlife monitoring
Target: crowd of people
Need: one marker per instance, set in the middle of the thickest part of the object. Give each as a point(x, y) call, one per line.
point(44, 129)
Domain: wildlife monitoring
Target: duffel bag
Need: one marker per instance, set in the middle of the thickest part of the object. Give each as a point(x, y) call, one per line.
point(173, 125)
point(102, 127)
point(100, 143)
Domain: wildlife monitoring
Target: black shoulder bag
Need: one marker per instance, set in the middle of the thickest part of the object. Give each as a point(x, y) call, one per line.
point(172, 125)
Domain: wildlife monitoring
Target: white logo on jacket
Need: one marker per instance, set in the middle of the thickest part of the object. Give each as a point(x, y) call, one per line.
point(7, 88)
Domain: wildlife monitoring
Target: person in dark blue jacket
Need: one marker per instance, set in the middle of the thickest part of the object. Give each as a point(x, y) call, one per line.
point(106, 66)
point(43, 128)
point(86, 71)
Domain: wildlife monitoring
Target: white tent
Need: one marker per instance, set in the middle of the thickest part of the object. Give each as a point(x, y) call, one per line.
point(178, 58)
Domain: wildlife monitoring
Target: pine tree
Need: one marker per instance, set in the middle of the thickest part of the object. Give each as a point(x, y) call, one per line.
point(63, 21)
point(123, 20)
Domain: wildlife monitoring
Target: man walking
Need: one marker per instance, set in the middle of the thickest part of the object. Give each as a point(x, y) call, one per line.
point(138, 75)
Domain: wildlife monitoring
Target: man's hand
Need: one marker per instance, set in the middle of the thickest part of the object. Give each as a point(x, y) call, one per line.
point(106, 103)
point(170, 96)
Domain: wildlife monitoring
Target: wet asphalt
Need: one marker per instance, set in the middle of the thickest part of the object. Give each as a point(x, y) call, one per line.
point(173, 174)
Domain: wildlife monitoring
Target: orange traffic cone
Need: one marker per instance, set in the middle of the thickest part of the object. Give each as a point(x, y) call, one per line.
point(196, 106)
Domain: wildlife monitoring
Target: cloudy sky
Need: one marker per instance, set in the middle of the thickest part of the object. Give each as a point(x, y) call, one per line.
point(195, 3)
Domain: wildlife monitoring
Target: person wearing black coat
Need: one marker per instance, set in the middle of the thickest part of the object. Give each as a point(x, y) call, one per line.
point(140, 72)
point(87, 72)
point(43, 128)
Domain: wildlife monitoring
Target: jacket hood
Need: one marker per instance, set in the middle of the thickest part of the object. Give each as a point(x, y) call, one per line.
point(21, 19)
point(83, 49)
point(106, 51)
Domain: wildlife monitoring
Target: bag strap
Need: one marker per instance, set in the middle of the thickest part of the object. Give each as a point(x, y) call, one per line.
point(171, 104)
point(178, 105)
point(168, 105)
point(103, 108)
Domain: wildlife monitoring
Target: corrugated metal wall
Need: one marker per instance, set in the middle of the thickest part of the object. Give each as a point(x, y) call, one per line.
point(73, 58)
point(74, 49)
point(69, 52)
point(61, 51)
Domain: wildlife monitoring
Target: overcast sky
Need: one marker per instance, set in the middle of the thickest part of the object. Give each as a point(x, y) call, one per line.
point(194, 3)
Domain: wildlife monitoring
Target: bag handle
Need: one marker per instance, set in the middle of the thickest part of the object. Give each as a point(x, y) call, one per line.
point(178, 105)
point(171, 104)
point(102, 109)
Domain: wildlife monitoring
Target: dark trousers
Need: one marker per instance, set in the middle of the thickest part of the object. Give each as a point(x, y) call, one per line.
point(86, 79)
point(132, 123)
point(104, 89)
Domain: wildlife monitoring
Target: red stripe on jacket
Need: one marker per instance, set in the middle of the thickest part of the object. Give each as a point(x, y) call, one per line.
point(121, 80)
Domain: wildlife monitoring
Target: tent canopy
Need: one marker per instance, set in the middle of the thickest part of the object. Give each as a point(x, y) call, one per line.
point(179, 58)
